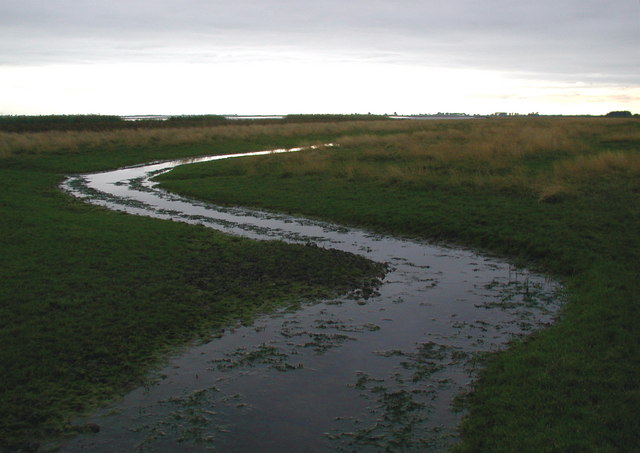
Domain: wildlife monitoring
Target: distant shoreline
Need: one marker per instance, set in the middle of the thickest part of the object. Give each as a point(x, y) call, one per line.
point(280, 117)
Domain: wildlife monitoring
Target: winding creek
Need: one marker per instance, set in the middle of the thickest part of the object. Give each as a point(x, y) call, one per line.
point(350, 374)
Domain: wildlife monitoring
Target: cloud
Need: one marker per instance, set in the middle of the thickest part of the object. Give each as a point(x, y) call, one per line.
point(492, 48)
point(582, 39)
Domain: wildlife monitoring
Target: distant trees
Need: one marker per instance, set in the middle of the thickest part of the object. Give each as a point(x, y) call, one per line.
point(619, 114)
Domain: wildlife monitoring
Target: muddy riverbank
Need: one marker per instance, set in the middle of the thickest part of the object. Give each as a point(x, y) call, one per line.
point(374, 373)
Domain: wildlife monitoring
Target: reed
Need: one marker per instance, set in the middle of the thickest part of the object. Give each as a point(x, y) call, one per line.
point(543, 158)
point(13, 143)
point(606, 164)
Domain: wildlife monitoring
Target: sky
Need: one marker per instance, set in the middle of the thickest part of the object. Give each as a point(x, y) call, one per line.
point(322, 56)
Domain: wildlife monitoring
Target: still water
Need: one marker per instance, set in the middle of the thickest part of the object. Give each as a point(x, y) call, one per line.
point(349, 374)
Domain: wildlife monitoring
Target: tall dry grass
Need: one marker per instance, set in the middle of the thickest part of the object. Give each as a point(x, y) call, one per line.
point(548, 158)
point(12, 143)
point(608, 163)
point(583, 172)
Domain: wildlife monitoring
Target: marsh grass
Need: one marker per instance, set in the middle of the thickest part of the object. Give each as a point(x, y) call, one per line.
point(562, 195)
point(549, 159)
point(608, 164)
point(90, 299)
point(15, 144)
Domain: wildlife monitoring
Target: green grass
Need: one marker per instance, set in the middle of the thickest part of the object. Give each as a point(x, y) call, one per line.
point(91, 299)
point(559, 195)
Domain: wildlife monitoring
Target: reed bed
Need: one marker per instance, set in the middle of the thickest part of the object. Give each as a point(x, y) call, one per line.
point(546, 158)
point(12, 143)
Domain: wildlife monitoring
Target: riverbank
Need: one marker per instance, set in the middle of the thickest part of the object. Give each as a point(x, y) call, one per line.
point(92, 300)
point(561, 195)
point(435, 311)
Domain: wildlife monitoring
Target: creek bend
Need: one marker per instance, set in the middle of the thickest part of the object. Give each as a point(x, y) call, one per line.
point(348, 374)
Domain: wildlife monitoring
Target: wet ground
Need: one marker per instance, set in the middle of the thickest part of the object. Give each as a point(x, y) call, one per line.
point(364, 372)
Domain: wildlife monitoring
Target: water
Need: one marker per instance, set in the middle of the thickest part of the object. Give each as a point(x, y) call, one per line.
point(350, 374)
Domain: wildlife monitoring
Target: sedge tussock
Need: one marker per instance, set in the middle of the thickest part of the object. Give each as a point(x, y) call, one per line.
point(606, 164)
point(554, 192)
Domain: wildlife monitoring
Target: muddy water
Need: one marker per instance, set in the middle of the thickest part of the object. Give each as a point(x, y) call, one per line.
point(350, 374)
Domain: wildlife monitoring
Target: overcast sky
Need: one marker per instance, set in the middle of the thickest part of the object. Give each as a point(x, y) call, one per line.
point(325, 56)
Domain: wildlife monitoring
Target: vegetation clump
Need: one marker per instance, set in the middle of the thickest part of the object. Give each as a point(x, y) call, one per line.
point(619, 114)
point(313, 118)
point(21, 123)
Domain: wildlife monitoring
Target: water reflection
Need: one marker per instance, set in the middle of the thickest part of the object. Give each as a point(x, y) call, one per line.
point(350, 374)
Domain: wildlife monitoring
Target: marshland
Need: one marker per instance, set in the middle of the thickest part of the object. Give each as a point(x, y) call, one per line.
point(93, 300)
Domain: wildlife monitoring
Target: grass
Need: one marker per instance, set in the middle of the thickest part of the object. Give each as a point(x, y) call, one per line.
point(300, 131)
point(561, 195)
point(19, 123)
point(91, 299)
point(102, 123)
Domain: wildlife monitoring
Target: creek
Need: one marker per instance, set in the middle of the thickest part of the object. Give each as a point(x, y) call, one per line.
point(355, 373)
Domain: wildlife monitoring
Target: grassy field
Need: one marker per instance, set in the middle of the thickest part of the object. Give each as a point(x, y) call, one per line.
point(558, 194)
point(91, 300)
